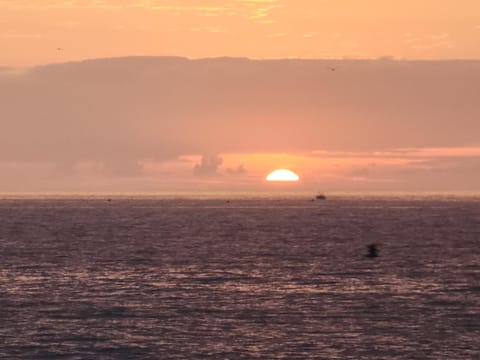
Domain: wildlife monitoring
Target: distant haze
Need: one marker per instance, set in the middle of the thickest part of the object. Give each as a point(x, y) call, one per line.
point(166, 123)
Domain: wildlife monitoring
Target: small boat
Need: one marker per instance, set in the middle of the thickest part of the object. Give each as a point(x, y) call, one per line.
point(321, 197)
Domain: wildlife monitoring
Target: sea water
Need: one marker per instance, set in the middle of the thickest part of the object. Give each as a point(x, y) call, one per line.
point(250, 278)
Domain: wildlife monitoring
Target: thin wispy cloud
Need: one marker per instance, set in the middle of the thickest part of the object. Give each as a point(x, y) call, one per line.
point(194, 29)
point(277, 35)
point(257, 8)
point(19, 36)
point(433, 41)
point(253, 10)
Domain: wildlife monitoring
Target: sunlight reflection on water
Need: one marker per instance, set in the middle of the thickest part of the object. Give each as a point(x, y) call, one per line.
point(252, 279)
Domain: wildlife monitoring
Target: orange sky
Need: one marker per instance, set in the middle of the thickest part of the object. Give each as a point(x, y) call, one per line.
point(126, 123)
point(32, 30)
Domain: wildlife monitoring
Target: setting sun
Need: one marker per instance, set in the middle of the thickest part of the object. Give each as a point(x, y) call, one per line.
point(282, 175)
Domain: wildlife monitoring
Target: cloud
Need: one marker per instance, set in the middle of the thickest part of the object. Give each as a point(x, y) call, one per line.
point(209, 29)
point(239, 170)
point(277, 35)
point(117, 114)
point(120, 167)
point(442, 40)
point(162, 108)
point(19, 36)
point(208, 166)
point(361, 172)
point(253, 9)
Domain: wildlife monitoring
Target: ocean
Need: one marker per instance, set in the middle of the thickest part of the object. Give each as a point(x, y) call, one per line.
point(152, 277)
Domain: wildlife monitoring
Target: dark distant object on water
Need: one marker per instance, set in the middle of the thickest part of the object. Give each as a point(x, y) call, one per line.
point(59, 49)
point(227, 201)
point(321, 197)
point(372, 251)
point(109, 200)
point(332, 68)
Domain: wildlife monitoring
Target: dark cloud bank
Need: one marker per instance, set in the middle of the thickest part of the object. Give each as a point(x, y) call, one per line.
point(124, 110)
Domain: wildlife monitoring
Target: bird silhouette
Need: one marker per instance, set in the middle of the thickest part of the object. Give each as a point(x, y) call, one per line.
point(372, 251)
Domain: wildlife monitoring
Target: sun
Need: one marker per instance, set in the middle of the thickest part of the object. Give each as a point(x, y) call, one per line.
point(282, 175)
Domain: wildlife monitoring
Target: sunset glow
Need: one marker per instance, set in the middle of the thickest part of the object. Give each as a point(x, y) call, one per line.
point(282, 175)
point(170, 95)
point(44, 31)
point(215, 173)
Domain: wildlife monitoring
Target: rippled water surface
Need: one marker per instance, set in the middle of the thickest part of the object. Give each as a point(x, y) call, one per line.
point(152, 278)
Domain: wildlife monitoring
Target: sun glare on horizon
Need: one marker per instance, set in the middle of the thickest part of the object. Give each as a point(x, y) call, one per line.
point(282, 175)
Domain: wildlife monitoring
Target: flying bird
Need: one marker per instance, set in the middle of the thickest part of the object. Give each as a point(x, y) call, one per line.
point(372, 251)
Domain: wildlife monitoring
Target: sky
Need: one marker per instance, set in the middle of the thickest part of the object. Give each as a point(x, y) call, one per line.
point(32, 30)
point(163, 95)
